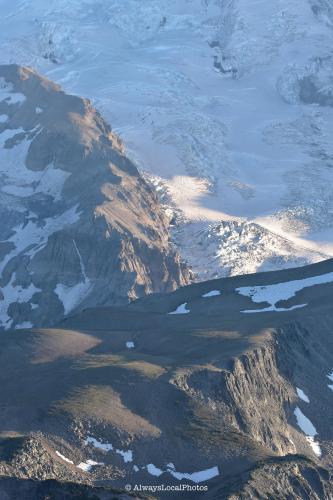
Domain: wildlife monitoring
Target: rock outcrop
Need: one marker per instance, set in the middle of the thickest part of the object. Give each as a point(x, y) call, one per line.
point(79, 225)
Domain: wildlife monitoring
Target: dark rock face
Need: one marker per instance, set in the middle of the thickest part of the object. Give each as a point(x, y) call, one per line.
point(294, 478)
point(11, 489)
point(240, 402)
point(79, 225)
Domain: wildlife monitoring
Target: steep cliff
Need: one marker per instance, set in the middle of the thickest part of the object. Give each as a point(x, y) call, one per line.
point(79, 225)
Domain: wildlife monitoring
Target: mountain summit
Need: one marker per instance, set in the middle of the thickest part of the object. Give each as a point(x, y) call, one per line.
point(79, 225)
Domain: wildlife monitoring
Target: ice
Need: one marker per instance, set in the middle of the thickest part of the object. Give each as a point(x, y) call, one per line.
point(196, 477)
point(88, 465)
point(301, 394)
point(309, 430)
point(3, 118)
point(250, 132)
point(71, 296)
point(64, 458)
point(181, 309)
point(213, 293)
point(282, 291)
point(130, 345)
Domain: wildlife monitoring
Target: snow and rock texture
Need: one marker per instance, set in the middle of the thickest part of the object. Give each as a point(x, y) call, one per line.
point(79, 225)
point(229, 103)
point(237, 402)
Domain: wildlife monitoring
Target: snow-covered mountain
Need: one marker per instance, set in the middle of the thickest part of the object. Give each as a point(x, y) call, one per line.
point(229, 102)
point(79, 225)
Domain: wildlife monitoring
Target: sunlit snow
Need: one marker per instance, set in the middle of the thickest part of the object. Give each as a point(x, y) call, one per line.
point(64, 458)
point(309, 430)
point(272, 294)
point(88, 465)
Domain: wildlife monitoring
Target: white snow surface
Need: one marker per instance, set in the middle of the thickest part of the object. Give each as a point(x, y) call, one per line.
point(195, 477)
point(14, 293)
point(182, 309)
point(272, 294)
point(88, 465)
point(248, 140)
point(126, 454)
point(7, 93)
point(309, 430)
point(64, 458)
point(301, 394)
point(71, 296)
point(213, 293)
point(98, 444)
point(153, 470)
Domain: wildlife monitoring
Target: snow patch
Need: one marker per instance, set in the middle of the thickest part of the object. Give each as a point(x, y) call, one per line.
point(127, 455)
point(213, 293)
point(273, 308)
point(64, 458)
point(154, 471)
point(71, 296)
point(130, 345)
point(7, 93)
point(88, 465)
point(282, 291)
point(182, 309)
point(98, 444)
point(301, 394)
point(195, 477)
point(309, 430)
point(14, 294)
